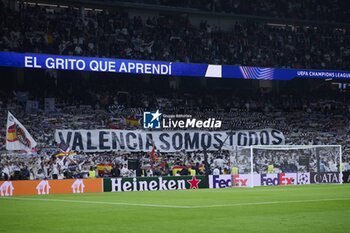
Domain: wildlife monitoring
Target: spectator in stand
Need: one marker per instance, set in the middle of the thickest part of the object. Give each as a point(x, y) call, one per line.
point(92, 173)
point(184, 171)
point(55, 170)
point(219, 162)
point(139, 171)
point(332, 11)
point(216, 171)
point(125, 172)
point(115, 171)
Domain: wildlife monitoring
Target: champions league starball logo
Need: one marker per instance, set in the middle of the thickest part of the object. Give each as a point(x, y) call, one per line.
point(303, 178)
point(152, 120)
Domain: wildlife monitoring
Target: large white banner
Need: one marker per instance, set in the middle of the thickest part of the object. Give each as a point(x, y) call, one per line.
point(165, 141)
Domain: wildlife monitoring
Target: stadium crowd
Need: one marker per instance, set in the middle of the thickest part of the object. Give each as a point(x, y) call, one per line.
point(113, 33)
point(309, 122)
point(331, 11)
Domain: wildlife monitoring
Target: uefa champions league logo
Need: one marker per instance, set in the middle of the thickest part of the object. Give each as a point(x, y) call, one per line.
point(303, 178)
point(151, 120)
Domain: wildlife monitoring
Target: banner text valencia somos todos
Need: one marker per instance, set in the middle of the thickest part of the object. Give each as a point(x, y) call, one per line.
point(165, 141)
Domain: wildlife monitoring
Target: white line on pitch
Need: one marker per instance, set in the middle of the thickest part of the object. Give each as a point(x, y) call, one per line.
point(96, 202)
point(175, 206)
point(269, 203)
point(269, 188)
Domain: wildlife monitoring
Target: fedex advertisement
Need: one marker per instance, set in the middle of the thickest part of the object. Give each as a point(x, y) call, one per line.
point(220, 181)
point(239, 180)
point(245, 180)
point(278, 179)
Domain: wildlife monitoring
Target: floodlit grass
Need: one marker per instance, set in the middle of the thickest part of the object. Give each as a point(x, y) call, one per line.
point(308, 208)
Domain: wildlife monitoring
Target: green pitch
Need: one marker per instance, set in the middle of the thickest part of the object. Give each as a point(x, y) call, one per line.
point(308, 208)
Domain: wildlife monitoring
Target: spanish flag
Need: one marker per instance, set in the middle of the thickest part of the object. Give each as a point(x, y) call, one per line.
point(11, 133)
point(132, 121)
point(17, 136)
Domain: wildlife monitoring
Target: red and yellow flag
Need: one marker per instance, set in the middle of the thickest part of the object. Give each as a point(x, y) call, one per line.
point(17, 136)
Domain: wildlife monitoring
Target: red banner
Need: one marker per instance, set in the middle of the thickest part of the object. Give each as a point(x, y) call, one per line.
point(46, 187)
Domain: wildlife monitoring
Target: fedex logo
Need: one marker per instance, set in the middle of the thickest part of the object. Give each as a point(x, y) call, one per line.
point(285, 180)
point(278, 179)
point(269, 179)
point(220, 181)
point(239, 181)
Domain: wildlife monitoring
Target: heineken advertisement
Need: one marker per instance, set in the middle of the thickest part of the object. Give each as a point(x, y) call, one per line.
point(154, 183)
